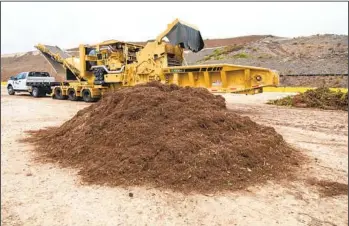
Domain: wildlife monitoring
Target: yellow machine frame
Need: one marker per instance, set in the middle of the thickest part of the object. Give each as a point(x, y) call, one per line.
point(157, 60)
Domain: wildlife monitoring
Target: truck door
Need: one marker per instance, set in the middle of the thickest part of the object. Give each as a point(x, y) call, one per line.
point(16, 81)
point(22, 81)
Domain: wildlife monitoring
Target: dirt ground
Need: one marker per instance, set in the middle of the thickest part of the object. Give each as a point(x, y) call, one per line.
point(35, 194)
point(314, 81)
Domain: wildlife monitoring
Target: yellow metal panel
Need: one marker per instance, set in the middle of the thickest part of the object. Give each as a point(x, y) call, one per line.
point(191, 79)
point(344, 90)
point(265, 78)
point(235, 80)
point(216, 81)
point(207, 79)
point(183, 79)
point(113, 78)
point(224, 79)
point(199, 79)
point(247, 75)
point(113, 41)
point(175, 78)
point(229, 67)
point(95, 92)
point(82, 60)
point(74, 83)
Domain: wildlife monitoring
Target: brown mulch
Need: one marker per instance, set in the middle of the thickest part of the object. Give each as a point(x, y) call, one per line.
point(328, 188)
point(154, 135)
point(322, 98)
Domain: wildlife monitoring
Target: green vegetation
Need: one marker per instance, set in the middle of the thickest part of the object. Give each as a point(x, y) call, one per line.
point(241, 55)
point(219, 54)
point(207, 58)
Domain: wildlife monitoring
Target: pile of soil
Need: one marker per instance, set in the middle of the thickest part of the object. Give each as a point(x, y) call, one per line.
point(177, 138)
point(11, 66)
point(323, 98)
point(328, 188)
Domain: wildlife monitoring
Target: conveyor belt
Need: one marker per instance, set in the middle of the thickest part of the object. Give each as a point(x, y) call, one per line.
point(55, 56)
point(55, 50)
point(57, 67)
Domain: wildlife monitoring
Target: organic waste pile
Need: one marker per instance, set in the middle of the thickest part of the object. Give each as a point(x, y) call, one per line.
point(154, 135)
point(328, 188)
point(323, 98)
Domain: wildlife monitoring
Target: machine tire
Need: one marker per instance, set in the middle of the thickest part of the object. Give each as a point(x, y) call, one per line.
point(10, 90)
point(36, 92)
point(72, 95)
point(58, 94)
point(86, 96)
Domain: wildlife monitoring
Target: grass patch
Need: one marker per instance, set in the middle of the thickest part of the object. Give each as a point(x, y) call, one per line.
point(241, 55)
point(219, 54)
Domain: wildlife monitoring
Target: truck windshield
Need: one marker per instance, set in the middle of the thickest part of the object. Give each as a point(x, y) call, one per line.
point(39, 74)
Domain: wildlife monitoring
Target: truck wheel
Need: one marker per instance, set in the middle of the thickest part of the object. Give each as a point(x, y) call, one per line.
point(86, 96)
point(36, 92)
point(10, 90)
point(58, 94)
point(72, 95)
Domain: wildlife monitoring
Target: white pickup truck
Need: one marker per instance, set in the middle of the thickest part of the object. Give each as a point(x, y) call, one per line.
point(34, 82)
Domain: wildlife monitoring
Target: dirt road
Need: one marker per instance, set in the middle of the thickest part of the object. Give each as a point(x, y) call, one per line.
point(35, 194)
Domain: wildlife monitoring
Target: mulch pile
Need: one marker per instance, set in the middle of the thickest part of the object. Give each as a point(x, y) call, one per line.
point(154, 135)
point(322, 98)
point(328, 188)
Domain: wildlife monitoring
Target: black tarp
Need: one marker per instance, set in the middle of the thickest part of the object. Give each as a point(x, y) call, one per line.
point(187, 37)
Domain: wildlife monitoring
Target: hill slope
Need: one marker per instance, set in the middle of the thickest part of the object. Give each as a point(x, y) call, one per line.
point(318, 54)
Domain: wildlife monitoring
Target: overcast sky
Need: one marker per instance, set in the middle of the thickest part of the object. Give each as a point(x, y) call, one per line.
point(68, 24)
